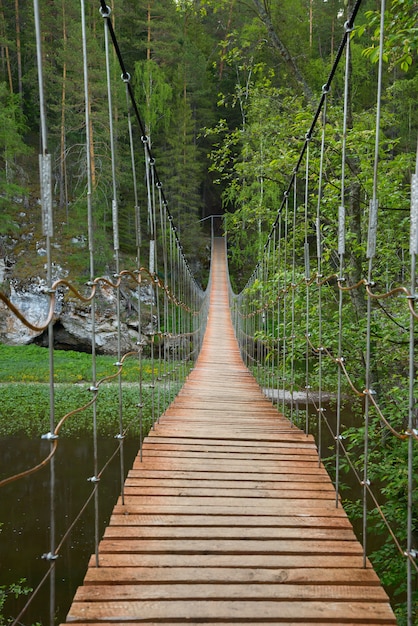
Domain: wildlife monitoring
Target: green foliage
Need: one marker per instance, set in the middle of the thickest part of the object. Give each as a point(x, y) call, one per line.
point(30, 364)
point(14, 590)
point(401, 28)
point(24, 374)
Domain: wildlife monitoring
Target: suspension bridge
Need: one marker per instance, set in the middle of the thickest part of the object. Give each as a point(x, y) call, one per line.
point(228, 514)
point(229, 517)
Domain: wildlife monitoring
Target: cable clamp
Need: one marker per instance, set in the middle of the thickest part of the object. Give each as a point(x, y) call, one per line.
point(370, 283)
point(412, 296)
point(126, 77)
point(159, 185)
point(120, 436)
point(118, 364)
point(48, 556)
point(140, 405)
point(48, 291)
point(412, 433)
point(325, 89)
point(365, 482)
point(49, 436)
point(413, 553)
point(341, 279)
point(93, 479)
point(105, 12)
point(93, 389)
point(321, 409)
point(347, 27)
point(308, 136)
point(89, 283)
point(339, 438)
point(308, 387)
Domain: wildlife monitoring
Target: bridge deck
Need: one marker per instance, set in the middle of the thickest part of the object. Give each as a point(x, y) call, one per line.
point(230, 518)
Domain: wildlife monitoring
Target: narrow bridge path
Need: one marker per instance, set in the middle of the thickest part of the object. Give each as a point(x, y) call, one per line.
point(230, 518)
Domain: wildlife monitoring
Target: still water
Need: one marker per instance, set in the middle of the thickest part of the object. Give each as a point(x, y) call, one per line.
point(25, 516)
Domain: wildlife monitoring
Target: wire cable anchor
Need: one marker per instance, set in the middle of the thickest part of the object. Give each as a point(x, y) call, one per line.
point(49, 556)
point(49, 436)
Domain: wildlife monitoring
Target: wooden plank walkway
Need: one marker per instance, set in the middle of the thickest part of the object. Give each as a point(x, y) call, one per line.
point(230, 518)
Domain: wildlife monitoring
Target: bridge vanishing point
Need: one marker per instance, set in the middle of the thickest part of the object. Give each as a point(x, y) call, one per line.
point(230, 517)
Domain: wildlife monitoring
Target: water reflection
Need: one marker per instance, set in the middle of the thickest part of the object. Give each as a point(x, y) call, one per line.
point(25, 516)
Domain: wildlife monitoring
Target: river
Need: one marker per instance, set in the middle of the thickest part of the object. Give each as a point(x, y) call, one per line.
point(25, 517)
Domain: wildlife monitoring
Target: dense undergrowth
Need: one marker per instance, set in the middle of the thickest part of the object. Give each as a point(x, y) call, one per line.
point(25, 396)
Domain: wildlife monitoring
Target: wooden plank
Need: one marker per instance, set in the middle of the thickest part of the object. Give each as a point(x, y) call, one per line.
point(254, 611)
point(133, 488)
point(302, 576)
point(240, 620)
point(122, 516)
point(275, 561)
point(319, 477)
point(214, 591)
point(220, 532)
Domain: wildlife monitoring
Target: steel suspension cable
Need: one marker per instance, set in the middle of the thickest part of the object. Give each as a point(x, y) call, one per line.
point(284, 296)
point(371, 250)
point(116, 248)
point(319, 266)
point(341, 254)
point(307, 280)
point(90, 228)
point(293, 303)
point(47, 227)
point(138, 242)
point(411, 553)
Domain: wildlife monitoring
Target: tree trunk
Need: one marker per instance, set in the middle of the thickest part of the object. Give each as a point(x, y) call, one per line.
point(18, 50)
point(228, 27)
point(281, 48)
point(63, 169)
point(5, 50)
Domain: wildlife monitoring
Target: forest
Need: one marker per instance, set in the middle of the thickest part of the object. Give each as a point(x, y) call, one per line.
point(226, 90)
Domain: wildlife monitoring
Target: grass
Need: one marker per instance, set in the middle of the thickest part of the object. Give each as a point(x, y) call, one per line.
point(25, 399)
point(30, 364)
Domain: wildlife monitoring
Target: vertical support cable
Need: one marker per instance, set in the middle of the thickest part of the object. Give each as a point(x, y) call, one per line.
point(138, 241)
point(274, 329)
point(293, 285)
point(412, 399)
point(90, 227)
point(46, 205)
point(307, 280)
point(115, 219)
point(279, 304)
point(371, 250)
point(319, 277)
point(341, 253)
point(285, 292)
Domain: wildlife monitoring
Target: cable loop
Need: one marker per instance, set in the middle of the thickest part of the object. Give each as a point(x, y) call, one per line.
point(105, 12)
